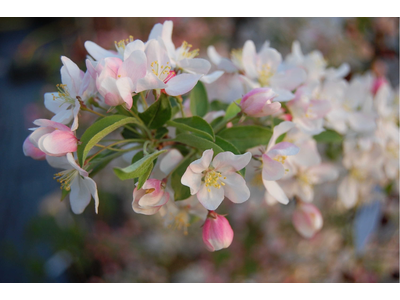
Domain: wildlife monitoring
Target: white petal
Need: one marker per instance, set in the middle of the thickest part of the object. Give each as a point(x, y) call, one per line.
point(202, 163)
point(276, 191)
point(73, 164)
point(283, 95)
point(249, 57)
point(98, 52)
point(280, 129)
point(235, 188)
point(181, 84)
point(210, 197)
point(131, 47)
point(60, 162)
point(80, 195)
point(192, 180)
point(347, 192)
point(228, 162)
point(195, 65)
point(92, 188)
point(210, 78)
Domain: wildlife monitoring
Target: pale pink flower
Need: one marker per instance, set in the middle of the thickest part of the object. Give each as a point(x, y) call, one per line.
point(150, 198)
point(259, 103)
point(77, 180)
point(64, 103)
point(30, 150)
point(213, 180)
point(54, 139)
point(217, 232)
point(117, 79)
point(307, 220)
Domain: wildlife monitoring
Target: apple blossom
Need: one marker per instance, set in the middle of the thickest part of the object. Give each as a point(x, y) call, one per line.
point(150, 198)
point(259, 103)
point(65, 103)
point(217, 232)
point(76, 180)
point(212, 180)
point(307, 220)
point(54, 139)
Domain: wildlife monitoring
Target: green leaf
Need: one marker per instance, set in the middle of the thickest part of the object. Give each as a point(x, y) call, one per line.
point(146, 174)
point(227, 146)
point(216, 121)
point(218, 105)
point(280, 138)
point(245, 137)
point(137, 156)
point(194, 124)
point(99, 130)
point(328, 136)
point(199, 100)
point(181, 192)
point(232, 110)
point(162, 131)
point(198, 142)
point(138, 168)
point(101, 162)
point(158, 113)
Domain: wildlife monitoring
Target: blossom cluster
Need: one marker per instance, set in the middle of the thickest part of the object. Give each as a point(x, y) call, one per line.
point(186, 154)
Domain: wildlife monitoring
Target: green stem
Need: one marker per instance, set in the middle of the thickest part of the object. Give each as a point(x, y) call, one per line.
point(85, 108)
point(180, 101)
point(145, 105)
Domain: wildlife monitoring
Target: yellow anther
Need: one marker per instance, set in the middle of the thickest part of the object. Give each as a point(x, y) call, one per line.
point(149, 191)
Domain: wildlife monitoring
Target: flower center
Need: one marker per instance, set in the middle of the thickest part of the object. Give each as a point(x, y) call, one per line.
point(281, 158)
point(120, 46)
point(358, 174)
point(181, 221)
point(213, 178)
point(265, 74)
point(185, 51)
point(161, 71)
point(65, 178)
point(64, 95)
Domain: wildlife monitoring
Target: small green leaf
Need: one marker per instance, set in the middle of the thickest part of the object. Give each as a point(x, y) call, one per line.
point(99, 130)
point(194, 124)
point(138, 168)
point(216, 121)
point(181, 192)
point(199, 100)
point(328, 136)
point(158, 113)
point(280, 138)
point(245, 137)
point(198, 142)
point(64, 193)
point(232, 110)
point(146, 174)
point(227, 146)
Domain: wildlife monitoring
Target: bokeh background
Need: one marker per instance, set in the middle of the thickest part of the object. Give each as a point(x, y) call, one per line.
point(42, 241)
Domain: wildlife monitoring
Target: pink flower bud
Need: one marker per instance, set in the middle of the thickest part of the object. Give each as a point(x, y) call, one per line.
point(52, 138)
point(307, 220)
point(32, 151)
point(258, 103)
point(217, 233)
point(150, 198)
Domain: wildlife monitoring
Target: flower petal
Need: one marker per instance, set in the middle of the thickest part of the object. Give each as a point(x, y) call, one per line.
point(181, 84)
point(192, 180)
point(235, 188)
point(202, 163)
point(210, 197)
point(227, 162)
point(276, 191)
point(80, 195)
point(272, 169)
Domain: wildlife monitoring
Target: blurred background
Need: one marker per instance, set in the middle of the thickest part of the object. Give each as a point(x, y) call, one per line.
point(42, 241)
